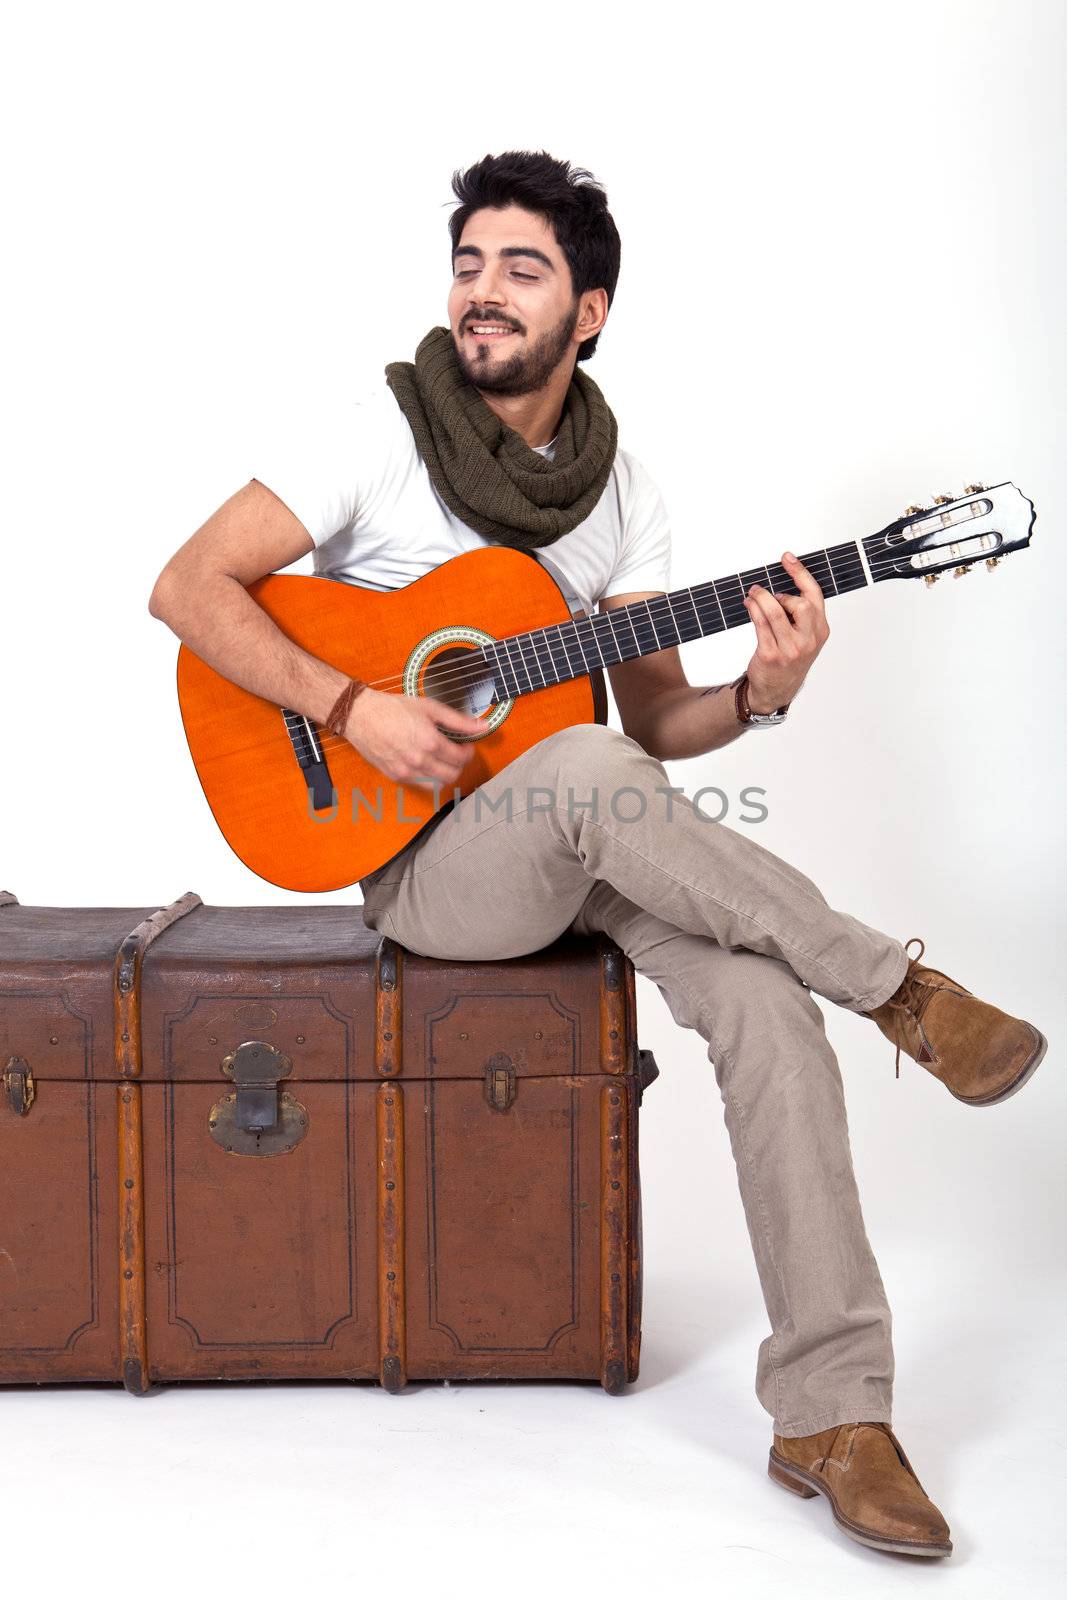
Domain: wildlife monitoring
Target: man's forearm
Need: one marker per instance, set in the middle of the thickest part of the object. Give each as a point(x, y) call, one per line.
point(689, 720)
point(221, 623)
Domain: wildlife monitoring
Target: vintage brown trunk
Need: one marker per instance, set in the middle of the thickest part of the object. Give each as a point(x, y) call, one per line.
point(241, 1142)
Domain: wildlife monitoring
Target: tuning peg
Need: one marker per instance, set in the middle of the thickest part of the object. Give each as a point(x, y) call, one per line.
point(961, 572)
point(992, 561)
point(931, 577)
point(942, 499)
point(914, 511)
point(975, 488)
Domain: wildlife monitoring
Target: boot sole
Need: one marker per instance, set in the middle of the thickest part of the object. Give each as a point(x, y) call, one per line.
point(1030, 1066)
point(801, 1483)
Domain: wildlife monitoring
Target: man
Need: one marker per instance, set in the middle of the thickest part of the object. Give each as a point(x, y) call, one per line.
point(494, 436)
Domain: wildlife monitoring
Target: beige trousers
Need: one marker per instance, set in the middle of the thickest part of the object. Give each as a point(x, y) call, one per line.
point(584, 832)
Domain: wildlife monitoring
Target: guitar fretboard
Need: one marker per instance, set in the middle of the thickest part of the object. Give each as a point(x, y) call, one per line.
point(524, 662)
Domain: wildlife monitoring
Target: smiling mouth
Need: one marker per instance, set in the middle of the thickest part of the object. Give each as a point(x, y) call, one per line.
point(499, 332)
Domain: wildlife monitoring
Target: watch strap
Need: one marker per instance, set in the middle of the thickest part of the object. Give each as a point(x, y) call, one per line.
point(745, 713)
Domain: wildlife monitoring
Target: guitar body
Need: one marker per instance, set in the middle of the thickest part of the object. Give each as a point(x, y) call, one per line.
point(413, 640)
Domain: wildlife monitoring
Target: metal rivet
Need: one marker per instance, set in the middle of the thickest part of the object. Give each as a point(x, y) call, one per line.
point(126, 1099)
point(54, 1039)
point(538, 1034)
point(127, 1273)
point(390, 1184)
point(614, 1277)
point(125, 1038)
point(464, 1035)
point(129, 1183)
point(390, 1276)
point(387, 983)
point(212, 1039)
point(387, 1036)
point(614, 1034)
point(614, 1183)
point(614, 1099)
point(300, 1038)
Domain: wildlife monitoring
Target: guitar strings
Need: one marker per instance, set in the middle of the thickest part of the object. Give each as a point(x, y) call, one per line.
point(327, 740)
point(658, 608)
point(469, 673)
point(733, 614)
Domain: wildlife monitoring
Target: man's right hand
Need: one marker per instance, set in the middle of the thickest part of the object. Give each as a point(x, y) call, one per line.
point(398, 734)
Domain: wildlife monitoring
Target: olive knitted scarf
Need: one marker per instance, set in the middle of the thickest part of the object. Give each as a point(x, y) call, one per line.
point(484, 471)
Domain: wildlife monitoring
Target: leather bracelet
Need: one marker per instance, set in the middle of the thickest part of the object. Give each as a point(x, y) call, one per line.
point(741, 705)
point(337, 717)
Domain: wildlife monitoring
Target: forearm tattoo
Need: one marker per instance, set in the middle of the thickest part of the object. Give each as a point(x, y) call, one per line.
point(713, 688)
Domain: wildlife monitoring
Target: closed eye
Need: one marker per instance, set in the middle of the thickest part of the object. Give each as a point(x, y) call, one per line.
point(531, 277)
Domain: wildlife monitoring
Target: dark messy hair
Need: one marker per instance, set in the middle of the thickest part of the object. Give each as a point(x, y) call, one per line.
point(569, 198)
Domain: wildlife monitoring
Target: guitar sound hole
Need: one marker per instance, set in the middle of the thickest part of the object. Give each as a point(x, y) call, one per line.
point(462, 679)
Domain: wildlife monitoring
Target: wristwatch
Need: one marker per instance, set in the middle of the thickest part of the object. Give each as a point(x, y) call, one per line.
point(745, 713)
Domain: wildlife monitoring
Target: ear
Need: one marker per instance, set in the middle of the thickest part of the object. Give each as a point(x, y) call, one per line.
point(593, 313)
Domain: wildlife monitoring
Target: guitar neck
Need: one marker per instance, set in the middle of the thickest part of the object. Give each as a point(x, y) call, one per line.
point(525, 662)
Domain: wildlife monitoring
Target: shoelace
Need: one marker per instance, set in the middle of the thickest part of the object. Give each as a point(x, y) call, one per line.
point(914, 995)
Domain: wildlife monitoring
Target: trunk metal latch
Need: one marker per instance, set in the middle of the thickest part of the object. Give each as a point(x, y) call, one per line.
point(19, 1086)
point(500, 1081)
point(258, 1119)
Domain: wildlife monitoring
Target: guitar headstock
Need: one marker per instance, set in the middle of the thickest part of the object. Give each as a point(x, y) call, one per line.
point(953, 534)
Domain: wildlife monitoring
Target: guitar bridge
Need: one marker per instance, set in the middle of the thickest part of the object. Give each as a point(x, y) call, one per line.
point(312, 763)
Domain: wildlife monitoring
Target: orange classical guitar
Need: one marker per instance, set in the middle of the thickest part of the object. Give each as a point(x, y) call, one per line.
point(496, 633)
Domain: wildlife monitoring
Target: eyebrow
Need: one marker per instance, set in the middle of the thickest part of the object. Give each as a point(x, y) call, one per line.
point(508, 250)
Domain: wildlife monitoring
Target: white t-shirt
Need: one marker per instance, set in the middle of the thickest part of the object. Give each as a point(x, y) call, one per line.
point(353, 476)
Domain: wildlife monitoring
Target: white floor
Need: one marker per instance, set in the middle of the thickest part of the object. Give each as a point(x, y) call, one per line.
point(559, 1489)
point(532, 1488)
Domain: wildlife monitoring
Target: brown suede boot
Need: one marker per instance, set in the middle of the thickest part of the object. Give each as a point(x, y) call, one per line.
point(980, 1054)
point(870, 1484)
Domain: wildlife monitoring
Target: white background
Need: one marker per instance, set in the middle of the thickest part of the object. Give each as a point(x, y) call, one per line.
point(841, 291)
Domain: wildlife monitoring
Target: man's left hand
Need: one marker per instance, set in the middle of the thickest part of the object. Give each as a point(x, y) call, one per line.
point(790, 632)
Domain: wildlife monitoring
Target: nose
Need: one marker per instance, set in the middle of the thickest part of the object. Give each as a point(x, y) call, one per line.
point(486, 289)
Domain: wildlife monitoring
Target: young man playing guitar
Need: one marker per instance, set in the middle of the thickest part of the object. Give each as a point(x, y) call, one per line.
point(494, 436)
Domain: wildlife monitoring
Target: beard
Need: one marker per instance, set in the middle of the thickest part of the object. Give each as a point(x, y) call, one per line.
point(525, 371)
